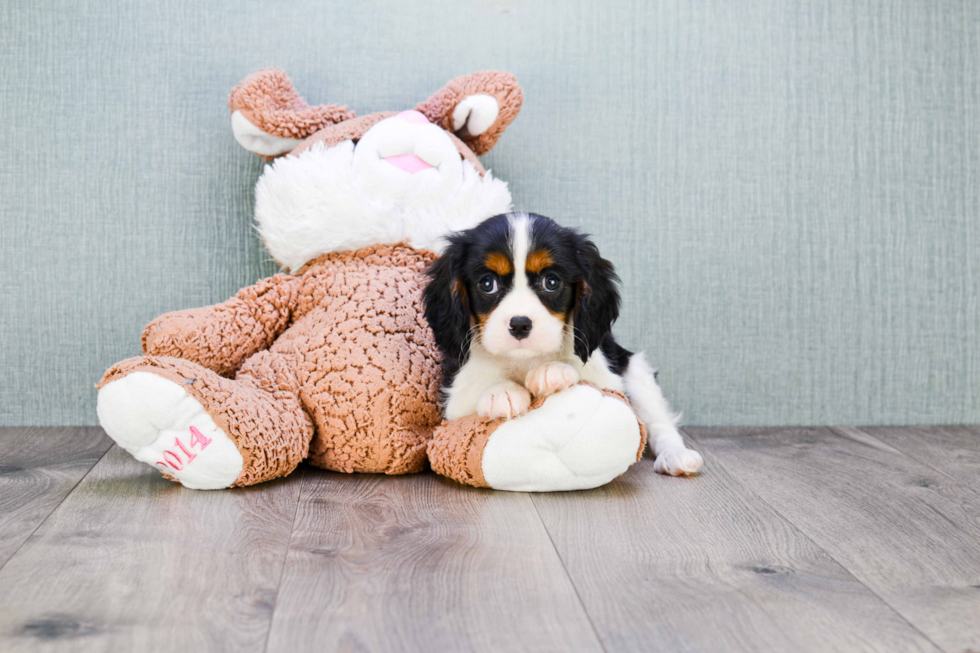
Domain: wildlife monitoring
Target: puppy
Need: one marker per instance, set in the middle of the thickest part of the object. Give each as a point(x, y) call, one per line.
point(521, 306)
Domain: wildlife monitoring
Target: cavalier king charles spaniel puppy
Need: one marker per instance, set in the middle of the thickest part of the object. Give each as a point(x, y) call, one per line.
point(521, 306)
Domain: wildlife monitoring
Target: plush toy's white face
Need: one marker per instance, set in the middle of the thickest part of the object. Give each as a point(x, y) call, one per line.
point(407, 160)
point(403, 181)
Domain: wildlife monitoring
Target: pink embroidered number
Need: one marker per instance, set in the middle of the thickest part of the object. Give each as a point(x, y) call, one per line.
point(173, 461)
point(198, 438)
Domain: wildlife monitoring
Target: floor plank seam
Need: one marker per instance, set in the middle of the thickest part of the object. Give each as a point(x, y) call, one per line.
point(285, 559)
point(717, 461)
point(571, 581)
point(53, 510)
point(899, 450)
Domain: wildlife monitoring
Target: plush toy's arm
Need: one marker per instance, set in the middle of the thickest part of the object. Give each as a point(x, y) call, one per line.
point(222, 336)
point(477, 107)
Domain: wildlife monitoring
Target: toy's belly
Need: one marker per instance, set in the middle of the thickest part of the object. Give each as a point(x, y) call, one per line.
point(369, 370)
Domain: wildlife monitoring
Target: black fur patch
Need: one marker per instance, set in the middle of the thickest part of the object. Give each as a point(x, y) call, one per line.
point(617, 357)
point(590, 278)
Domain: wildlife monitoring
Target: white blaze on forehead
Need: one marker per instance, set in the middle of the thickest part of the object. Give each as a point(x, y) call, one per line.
point(547, 331)
point(520, 241)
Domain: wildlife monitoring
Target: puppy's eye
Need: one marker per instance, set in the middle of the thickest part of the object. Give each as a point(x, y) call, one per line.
point(551, 283)
point(488, 285)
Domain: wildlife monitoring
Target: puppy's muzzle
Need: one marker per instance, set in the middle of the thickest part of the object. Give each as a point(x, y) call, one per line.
point(520, 327)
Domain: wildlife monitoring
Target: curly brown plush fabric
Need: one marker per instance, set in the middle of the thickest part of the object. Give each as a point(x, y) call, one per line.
point(269, 101)
point(502, 86)
point(374, 364)
point(221, 337)
point(335, 363)
point(456, 449)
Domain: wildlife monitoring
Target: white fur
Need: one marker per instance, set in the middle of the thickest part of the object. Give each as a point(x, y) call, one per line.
point(331, 199)
point(549, 378)
point(504, 401)
point(481, 373)
point(648, 401)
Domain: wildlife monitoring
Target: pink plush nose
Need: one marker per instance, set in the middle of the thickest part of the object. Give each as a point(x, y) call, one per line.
point(414, 117)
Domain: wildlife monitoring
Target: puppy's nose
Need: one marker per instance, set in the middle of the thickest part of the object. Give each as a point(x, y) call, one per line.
point(520, 327)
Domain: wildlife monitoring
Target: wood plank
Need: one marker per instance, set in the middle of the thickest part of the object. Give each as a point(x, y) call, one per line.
point(38, 468)
point(418, 563)
point(702, 564)
point(891, 521)
point(952, 450)
point(132, 562)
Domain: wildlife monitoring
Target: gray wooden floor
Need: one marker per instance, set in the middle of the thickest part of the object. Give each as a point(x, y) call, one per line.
point(791, 540)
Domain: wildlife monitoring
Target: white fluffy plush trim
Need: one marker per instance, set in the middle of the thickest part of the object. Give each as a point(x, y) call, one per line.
point(313, 204)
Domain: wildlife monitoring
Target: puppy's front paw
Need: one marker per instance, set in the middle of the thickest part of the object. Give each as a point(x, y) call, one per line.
point(504, 401)
point(678, 462)
point(550, 378)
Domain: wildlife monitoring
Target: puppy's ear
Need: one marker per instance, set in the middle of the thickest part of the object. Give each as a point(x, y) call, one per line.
point(597, 299)
point(447, 306)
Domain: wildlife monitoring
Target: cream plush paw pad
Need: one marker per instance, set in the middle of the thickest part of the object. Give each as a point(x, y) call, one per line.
point(579, 439)
point(156, 421)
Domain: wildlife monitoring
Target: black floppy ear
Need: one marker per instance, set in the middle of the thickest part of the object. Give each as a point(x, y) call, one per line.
point(447, 307)
point(597, 299)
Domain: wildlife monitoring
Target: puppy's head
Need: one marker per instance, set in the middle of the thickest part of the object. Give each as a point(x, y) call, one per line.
point(518, 284)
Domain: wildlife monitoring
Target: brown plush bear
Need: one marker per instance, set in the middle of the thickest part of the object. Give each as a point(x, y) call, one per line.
point(332, 362)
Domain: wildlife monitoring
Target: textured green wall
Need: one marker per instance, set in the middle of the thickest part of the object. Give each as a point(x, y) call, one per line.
point(789, 189)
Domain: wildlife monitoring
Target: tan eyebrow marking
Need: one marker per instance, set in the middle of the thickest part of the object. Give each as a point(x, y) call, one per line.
point(498, 263)
point(459, 288)
point(538, 260)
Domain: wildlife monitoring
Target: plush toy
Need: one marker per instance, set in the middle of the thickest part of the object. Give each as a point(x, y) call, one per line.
point(331, 362)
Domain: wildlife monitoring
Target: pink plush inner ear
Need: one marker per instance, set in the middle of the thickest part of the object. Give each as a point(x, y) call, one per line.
point(408, 162)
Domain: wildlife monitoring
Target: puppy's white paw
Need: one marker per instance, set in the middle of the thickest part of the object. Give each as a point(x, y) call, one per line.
point(678, 462)
point(550, 378)
point(504, 401)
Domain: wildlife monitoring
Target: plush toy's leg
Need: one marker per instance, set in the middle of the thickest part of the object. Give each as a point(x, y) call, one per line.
point(580, 438)
point(204, 430)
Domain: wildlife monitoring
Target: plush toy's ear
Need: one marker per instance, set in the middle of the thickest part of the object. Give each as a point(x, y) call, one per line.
point(447, 306)
point(477, 108)
point(268, 116)
point(597, 299)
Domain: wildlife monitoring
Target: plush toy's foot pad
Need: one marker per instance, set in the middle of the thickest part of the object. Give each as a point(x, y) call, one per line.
point(156, 421)
point(578, 439)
